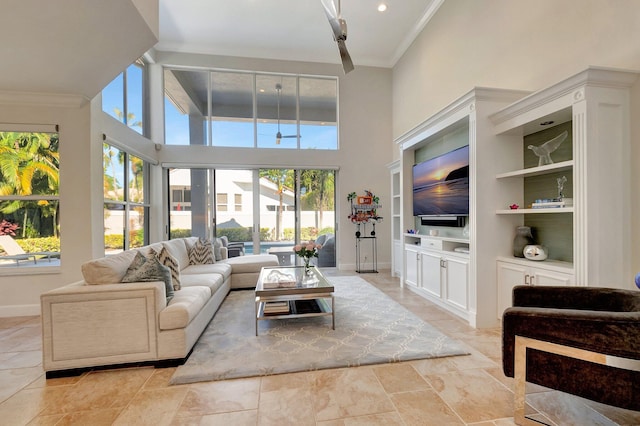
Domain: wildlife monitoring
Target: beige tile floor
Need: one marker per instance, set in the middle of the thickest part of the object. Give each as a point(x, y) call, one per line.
point(465, 390)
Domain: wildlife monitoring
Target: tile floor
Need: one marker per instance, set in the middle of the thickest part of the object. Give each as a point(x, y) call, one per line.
point(465, 390)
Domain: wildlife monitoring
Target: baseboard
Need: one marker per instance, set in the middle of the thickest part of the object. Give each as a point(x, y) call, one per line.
point(19, 310)
point(72, 372)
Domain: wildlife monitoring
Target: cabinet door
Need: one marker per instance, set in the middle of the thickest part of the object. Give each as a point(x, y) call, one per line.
point(411, 266)
point(456, 279)
point(431, 273)
point(509, 276)
point(543, 277)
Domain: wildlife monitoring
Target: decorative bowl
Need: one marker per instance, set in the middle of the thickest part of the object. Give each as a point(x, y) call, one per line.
point(535, 252)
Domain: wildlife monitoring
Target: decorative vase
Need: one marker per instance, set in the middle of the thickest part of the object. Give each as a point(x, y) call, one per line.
point(522, 239)
point(307, 267)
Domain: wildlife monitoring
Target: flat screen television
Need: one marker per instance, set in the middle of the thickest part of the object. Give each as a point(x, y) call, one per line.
point(441, 185)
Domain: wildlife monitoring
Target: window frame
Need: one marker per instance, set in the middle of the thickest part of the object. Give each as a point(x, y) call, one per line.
point(54, 197)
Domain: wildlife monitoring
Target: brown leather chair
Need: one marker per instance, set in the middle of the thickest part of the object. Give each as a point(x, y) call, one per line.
point(580, 323)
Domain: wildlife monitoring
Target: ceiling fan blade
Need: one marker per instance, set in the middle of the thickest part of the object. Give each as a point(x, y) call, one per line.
point(329, 9)
point(347, 63)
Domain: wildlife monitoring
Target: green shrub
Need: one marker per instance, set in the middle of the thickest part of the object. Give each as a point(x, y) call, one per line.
point(180, 233)
point(236, 234)
point(39, 244)
point(113, 241)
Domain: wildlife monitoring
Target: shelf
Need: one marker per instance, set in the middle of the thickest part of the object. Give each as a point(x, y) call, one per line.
point(536, 211)
point(549, 264)
point(536, 171)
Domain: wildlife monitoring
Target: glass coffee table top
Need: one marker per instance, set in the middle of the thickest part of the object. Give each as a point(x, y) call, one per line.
point(291, 280)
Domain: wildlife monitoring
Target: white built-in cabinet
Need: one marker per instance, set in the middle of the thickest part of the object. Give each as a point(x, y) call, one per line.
point(589, 241)
point(435, 270)
point(512, 272)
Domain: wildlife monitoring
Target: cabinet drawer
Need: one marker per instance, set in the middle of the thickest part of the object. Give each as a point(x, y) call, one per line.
point(431, 243)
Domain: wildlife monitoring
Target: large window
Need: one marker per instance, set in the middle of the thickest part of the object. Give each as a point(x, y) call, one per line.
point(242, 109)
point(29, 197)
point(125, 202)
point(123, 98)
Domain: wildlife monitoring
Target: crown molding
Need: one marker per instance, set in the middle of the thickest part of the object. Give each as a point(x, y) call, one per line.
point(56, 100)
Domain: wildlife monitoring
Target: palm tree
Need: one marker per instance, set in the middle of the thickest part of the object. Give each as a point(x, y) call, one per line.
point(29, 165)
point(320, 189)
point(283, 178)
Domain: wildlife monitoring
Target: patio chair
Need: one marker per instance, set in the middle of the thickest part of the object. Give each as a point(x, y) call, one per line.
point(16, 253)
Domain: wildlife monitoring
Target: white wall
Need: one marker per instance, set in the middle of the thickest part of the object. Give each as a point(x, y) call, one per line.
point(518, 44)
point(511, 44)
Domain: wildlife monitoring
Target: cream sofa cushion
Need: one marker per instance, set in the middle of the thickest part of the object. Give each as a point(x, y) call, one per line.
point(223, 269)
point(185, 306)
point(213, 281)
point(251, 263)
point(108, 270)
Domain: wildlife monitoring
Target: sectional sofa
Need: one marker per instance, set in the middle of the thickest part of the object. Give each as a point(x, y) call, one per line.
point(101, 321)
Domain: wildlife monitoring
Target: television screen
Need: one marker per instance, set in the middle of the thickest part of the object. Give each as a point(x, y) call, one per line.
point(441, 185)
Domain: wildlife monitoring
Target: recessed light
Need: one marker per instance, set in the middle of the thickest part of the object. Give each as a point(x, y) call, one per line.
point(261, 90)
point(382, 7)
point(547, 123)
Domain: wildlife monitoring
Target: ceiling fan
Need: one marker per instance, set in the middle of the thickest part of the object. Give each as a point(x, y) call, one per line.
point(339, 28)
point(279, 135)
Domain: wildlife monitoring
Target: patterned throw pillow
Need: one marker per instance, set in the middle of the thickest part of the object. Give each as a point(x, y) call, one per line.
point(201, 253)
point(170, 262)
point(149, 269)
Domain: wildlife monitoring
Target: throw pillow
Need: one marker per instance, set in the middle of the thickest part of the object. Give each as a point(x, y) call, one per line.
point(149, 269)
point(201, 253)
point(217, 245)
point(170, 262)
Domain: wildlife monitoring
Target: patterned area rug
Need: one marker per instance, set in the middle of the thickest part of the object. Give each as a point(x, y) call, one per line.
point(370, 329)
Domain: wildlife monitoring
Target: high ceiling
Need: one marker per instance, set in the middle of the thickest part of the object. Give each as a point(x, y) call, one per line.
point(292, 29)
point(79, 46)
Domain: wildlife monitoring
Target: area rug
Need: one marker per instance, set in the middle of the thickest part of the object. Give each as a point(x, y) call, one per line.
point(370, 329)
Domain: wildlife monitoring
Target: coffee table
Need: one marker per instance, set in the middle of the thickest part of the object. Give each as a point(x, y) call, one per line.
point(287, 292)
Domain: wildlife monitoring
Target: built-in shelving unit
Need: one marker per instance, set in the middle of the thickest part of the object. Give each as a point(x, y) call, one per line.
point(587, 240)
point(396, 219)
point(455, 280)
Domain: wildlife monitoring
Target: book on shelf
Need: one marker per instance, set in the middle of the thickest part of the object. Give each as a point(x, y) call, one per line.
point(276, 307)
point(552, 203)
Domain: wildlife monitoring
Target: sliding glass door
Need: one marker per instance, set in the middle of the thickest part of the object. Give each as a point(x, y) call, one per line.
point(260, 210)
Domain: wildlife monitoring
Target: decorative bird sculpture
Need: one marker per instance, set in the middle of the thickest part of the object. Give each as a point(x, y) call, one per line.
point(544, 151)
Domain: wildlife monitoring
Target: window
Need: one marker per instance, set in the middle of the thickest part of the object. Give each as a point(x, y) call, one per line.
point(29, 197)
point(126, 208)
point(123, 98)
point(251, 110)
point(222, 202)
point(238, 202)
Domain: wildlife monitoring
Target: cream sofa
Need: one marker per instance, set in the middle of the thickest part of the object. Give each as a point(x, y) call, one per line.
point(101, 321)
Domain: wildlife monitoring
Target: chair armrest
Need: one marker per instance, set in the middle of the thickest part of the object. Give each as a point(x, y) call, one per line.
point(610, 333)
point(571, 297)
point(224, 253)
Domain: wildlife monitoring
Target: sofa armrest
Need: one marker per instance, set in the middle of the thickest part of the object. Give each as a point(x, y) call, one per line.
point(88, 325)
point(571, 297)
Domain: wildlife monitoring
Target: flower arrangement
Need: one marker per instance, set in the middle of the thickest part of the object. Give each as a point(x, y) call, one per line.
point(306, 252)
